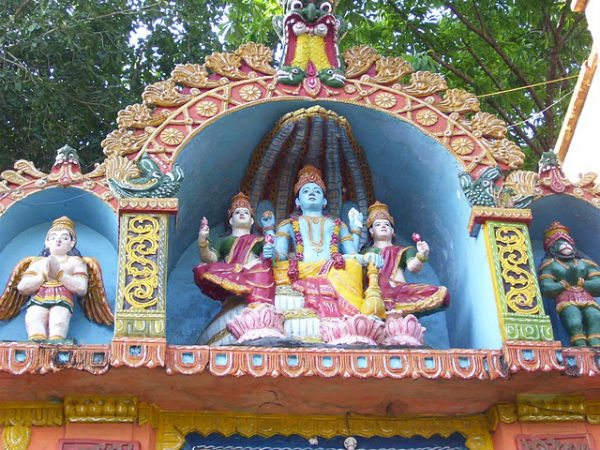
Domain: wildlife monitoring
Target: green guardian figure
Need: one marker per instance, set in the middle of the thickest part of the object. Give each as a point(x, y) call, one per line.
point(573, 282)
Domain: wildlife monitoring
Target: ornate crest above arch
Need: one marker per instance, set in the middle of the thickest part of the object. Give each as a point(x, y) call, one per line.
point(175, 110)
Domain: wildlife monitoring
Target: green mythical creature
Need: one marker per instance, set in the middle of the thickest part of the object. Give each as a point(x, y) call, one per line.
point(310, 34)
point(152, 182)
point(484, 192)
point(573, 282)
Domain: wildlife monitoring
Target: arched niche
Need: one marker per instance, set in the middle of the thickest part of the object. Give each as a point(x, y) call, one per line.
point(412, 173)
point(583, 220)
point(23, 228)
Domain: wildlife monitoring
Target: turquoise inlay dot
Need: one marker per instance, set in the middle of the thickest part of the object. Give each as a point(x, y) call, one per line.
point(464, 362)
point(486, 366)
point(135, 350)
point(361, 361)
point(63, 357)
point(327, 361)
point(396, 362)
point(292, 360)
point(571, 361)
point(187, 358)
point(98, 357)
point(528, 355)
point(257, 360)
point(221, 359)
point(20, 356)
point(429, 363)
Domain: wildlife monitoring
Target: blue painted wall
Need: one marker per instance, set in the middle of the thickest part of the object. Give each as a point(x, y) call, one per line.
point(23, 229)
point(413, 174)
point(584, 222)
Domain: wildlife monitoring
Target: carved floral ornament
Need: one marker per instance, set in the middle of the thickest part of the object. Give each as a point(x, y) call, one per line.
point(198, 92)
point(174, 110)
point(25, 179)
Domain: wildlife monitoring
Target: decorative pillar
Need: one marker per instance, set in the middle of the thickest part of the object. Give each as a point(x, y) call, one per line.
point(140, 316)
point(517, 293)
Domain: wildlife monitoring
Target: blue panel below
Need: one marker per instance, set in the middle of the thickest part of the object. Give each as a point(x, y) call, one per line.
point(195, 441)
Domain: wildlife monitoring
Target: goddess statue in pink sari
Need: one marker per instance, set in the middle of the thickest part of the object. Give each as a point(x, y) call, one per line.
point(240, 265)
point(398, 295)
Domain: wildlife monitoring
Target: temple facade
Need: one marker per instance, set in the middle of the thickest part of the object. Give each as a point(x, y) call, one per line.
point(334, 252)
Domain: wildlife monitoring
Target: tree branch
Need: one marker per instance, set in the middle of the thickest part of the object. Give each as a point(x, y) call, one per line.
point(21, 8)
point(486, 35)
point(432, 51)
point(518, 130)
point(487, 71)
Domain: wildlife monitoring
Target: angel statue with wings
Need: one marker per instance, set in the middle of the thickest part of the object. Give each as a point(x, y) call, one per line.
point(48, 284)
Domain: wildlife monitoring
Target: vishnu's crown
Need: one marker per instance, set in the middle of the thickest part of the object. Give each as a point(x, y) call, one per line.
point(309, 174)
point(64, 223)
point(240, 200)
point(554, 232)
point(377, 211)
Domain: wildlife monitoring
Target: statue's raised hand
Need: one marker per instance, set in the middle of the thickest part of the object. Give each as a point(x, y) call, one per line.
point(53, 267)
point(355, 219)
point(423, 248)
point(267, 219)
point(204, 230)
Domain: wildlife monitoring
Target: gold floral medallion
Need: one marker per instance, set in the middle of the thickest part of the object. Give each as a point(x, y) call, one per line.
point(385, 100)
point(207, 108)
point(426, 117)
point(172, 136)
point(250, 93)
point(463, 146)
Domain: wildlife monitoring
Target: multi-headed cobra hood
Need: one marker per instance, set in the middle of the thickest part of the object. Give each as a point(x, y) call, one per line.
point(310, 33)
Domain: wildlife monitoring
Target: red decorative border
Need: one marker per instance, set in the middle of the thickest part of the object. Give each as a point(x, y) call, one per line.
point(138, 352)
point(533, 356)
point(20, 358)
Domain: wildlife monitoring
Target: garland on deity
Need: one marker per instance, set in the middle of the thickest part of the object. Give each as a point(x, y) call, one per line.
point(338, 258)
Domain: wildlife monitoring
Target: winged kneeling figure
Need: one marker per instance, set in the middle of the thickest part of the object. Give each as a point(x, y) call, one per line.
point(48, 284)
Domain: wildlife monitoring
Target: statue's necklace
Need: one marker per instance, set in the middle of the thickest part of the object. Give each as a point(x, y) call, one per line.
point(318, 246)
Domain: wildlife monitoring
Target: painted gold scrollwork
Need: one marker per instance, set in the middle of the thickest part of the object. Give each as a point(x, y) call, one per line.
point(257, 56)
point(359, 60)
point(391, 69)
point(227, 65)
point(121, 168)
point(487, 125)
point(460, 101)
point(141, 268)
point(139, 116)
point(423, 84)
point(519, 283)
point(193, 75)
point(523, 182)
point(506, 151)
point(123, 142)
point(164, 93)
point(21, 167)
point(16, 437)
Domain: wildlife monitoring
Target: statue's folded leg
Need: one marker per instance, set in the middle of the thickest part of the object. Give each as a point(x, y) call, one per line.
point(412, 298)
point(319, 295)
point(220, 281)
